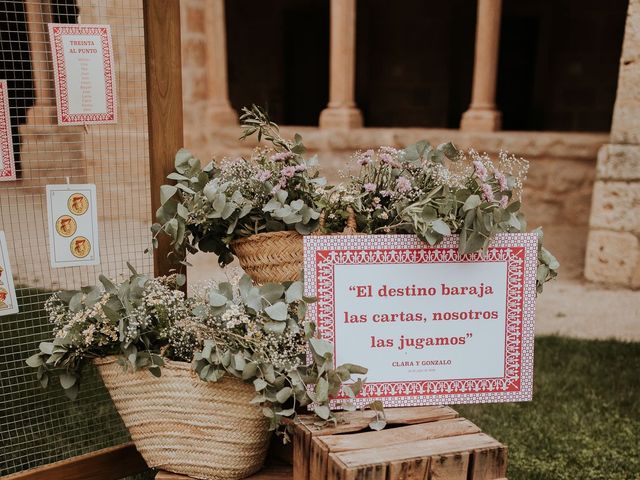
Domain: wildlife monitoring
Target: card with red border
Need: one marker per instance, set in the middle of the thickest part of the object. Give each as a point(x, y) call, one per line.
point(7, 165)
point(8, 299)
point(432, 326)
point(83, 70)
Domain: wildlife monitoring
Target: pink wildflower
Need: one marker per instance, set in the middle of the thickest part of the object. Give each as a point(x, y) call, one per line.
point(480, 169)
point(288, 171)
point(487, 193)
point(364, 158)
point(301, 168)
point(369, 187)
point(503, 201)
point(263, 176)
point(502, 180)
point(388, 159)
point(281, 156)
point(403, 185)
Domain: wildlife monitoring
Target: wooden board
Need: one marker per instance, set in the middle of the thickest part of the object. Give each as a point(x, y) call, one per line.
point(279, 471)
point(419, 443)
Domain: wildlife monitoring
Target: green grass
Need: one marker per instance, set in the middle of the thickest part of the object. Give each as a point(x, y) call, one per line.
point(584, 420)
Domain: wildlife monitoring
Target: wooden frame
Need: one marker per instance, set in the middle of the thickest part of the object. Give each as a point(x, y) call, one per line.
point(164, 106)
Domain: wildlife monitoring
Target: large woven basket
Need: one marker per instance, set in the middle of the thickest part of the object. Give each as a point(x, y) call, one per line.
point(271, 257)
point(184, 425)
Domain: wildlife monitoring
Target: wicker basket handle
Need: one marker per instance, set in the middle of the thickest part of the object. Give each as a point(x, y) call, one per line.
point(350, 229)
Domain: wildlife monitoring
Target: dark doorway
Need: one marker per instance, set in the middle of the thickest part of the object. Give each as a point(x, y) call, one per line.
point(306, 62)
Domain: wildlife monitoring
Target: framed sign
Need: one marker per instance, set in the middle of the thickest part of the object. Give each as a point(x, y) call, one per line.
point(7, 160)
point(84, 74)
point(73, 225)
point(431, 325)
point(8, 299)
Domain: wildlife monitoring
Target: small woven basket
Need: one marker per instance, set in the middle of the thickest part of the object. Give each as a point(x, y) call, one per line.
point(277, 256)
point(184, 425)
point(270, 257)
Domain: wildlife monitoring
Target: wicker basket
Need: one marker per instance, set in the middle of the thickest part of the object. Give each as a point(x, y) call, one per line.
point(184, 425)
point(271, 257)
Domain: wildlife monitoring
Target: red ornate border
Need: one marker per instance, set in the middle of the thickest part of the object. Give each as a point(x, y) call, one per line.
point(322, 254)
point(56, 31)
point(8, 171)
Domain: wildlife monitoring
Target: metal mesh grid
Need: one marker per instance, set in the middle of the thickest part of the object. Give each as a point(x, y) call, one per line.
point(36, 426)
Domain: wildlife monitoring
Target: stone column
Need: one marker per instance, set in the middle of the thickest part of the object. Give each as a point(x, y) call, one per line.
point(482, 115)
point(613, 248)
point(341, 112)
point(220, 111)
point(38, 15)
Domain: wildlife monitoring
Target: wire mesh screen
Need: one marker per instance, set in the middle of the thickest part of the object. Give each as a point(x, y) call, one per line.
point(36, 426)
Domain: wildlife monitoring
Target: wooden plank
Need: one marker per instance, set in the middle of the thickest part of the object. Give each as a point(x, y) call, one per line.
point(321, 446)
point(415, 469)
point(339, 471)
point(164, 105)
point(359, 420)
point(276, 471)
point(450, 467)
point(107, 464)
point(419, 449)
point(489, 464)
point(301, 446)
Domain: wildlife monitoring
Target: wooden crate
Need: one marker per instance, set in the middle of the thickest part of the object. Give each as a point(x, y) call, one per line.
point(425, 443)
point(273, 471)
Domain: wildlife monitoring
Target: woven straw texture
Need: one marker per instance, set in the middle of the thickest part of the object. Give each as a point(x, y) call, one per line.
point(271, 257)
point(184, 425)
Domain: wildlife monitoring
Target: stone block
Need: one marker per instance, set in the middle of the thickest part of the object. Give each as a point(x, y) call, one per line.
point(619, 162)
point(616, 206)
point(612, 257)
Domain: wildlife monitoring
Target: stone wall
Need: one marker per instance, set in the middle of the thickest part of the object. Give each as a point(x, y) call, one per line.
point(613, 254)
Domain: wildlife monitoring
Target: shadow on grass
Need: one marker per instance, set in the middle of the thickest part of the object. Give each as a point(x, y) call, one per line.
point(584, 420)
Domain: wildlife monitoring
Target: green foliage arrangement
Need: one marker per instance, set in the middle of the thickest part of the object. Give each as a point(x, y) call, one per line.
point(432, 192)
point(255, 333)
point(209, 207)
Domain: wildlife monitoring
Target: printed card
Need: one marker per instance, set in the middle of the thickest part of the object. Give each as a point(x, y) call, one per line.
point(432, 326)
point(7, 161)
point(8, 299)
point(84, 75)
point(73, 225)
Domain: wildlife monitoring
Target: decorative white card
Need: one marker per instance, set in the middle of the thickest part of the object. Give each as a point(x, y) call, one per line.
point(7, 161)
point(432, 326)
point(73, 225)
point(83, 70)
point(8, 299)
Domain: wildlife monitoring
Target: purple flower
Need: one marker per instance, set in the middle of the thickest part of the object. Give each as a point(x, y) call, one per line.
point(403, 185)
point(386, 193)
point(503, 201)
point(288, 172)
point(263, 176)
point(369, 187)
point(364, 158)
point(502, 180)
point(487, 193)
point(281, 156)
point(388, 159)
point(480, 170)
point(301, 168)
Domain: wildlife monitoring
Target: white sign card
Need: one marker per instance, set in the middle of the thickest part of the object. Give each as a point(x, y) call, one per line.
point(432, 326)
point(83, 70)
point(8, 299)
point(73, 225)
point(7, 160)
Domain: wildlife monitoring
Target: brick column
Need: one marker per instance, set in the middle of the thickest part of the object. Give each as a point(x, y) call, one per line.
point(341, 112)
point(220, 111)
point(613, 248)
point(483, 115)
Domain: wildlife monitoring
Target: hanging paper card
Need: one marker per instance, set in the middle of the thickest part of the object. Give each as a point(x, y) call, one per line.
point(7, 161)
point(8, 299)
point(84, 73)
point(431, 325)
point(73, 225)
